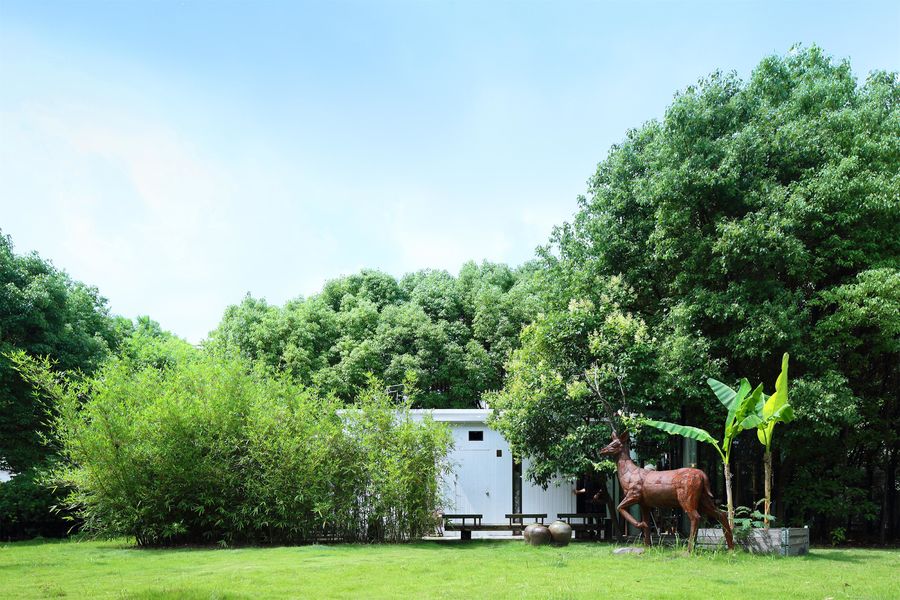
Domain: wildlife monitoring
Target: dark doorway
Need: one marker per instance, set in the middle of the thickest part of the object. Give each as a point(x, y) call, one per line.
point(516, 486)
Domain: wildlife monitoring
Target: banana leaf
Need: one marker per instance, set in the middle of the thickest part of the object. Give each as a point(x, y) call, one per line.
point(724, 393)
point(776, 408)
point(694, 433)
point(745, 410)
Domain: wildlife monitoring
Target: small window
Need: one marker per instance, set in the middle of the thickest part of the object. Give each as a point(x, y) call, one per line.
point(476, 436)
point(499, 453)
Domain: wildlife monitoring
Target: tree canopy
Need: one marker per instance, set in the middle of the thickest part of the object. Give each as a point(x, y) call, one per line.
point(44, 313)
point(759, 217)
point(452, 333)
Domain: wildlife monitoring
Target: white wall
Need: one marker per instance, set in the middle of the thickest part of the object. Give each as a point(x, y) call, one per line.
point(482, 482)
point(559, 497)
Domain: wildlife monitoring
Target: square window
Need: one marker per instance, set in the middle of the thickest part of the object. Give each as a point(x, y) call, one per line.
point(476, 436)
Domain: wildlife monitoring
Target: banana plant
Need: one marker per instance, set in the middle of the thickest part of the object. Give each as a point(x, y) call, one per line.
point(769, 411)
point(740, 405)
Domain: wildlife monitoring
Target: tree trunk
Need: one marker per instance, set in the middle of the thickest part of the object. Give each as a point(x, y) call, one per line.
point(891, 484)
point(887, 508)
point(727, 471)
point(784, 474)
point(767, 505)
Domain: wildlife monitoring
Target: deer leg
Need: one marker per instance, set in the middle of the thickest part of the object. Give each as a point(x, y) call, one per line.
point(711, 512)
point(694, 518)
point(630, 500)
point(645, 519)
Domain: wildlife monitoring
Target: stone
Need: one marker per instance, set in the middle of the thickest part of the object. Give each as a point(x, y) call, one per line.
point(629, 550)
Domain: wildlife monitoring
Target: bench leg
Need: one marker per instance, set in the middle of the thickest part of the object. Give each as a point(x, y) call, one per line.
point(465, 534)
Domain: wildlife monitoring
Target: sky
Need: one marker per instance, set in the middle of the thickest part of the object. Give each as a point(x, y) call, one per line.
point(178, 155)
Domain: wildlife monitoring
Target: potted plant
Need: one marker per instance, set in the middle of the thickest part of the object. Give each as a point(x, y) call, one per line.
point(740, 405)
point(771, 410)
point(754, 531)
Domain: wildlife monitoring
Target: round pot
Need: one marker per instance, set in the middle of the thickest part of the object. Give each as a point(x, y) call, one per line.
point(561, 532)
point(526, 533)
point(540, 535)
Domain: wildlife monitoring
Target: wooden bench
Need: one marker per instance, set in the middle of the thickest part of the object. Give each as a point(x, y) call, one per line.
point(519, 519)
point(590, 525)
point(465, 533)
point(458, 522)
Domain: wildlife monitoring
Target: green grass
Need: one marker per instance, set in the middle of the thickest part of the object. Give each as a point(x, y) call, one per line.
point(70, 569)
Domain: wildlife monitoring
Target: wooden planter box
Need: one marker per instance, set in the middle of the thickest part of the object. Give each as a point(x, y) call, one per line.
point(786, 541)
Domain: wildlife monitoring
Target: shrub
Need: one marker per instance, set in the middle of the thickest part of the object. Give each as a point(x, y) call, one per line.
point(29, 509)
point(212, 450)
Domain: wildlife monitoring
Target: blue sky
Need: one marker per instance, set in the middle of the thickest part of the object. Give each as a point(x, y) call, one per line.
point(180, 154)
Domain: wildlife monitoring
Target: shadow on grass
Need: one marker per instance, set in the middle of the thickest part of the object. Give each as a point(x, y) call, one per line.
point(184, 594)
point(457, 545)
point(834, 556)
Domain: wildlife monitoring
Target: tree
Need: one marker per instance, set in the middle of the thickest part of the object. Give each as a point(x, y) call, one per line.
point(44, 313)
point(760, 217)
point(552, 406)
point(454, 333)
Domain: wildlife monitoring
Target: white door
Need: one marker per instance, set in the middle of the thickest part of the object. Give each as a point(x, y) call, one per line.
point(483, 484)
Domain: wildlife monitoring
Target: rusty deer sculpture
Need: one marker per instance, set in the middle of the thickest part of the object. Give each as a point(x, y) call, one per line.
point(687, 489)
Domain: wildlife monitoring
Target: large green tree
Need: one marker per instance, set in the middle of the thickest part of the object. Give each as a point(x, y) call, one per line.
point(569, 383)
point(44, 313)
point(760, 217)
point(454, 333)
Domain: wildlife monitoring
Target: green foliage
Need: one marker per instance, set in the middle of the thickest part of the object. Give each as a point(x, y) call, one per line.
point(694, 433)
point(759, 216)
point(747, 518)
point(29, 508)
point(775, 409)
point(42, 312)
point(739, 404)
point(837, 536)
point(546, 409)
point(144, 343)
point(455, 333)
point(209, 450)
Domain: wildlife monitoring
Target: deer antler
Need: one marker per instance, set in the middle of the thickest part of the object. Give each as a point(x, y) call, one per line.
point(619, 378)
point(593, 381)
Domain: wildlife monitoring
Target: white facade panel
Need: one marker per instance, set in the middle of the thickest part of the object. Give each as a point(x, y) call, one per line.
point(482, 482)
point(559, 497)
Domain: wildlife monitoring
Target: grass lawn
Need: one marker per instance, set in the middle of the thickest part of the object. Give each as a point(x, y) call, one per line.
point(480, 569)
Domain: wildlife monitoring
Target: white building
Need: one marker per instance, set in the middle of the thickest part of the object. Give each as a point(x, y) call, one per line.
point(486, 480)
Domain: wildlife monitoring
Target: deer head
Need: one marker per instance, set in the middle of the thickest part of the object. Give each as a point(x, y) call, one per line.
point(618, 443)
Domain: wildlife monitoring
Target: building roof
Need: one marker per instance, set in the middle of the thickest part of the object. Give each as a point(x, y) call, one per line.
point(454, 415)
